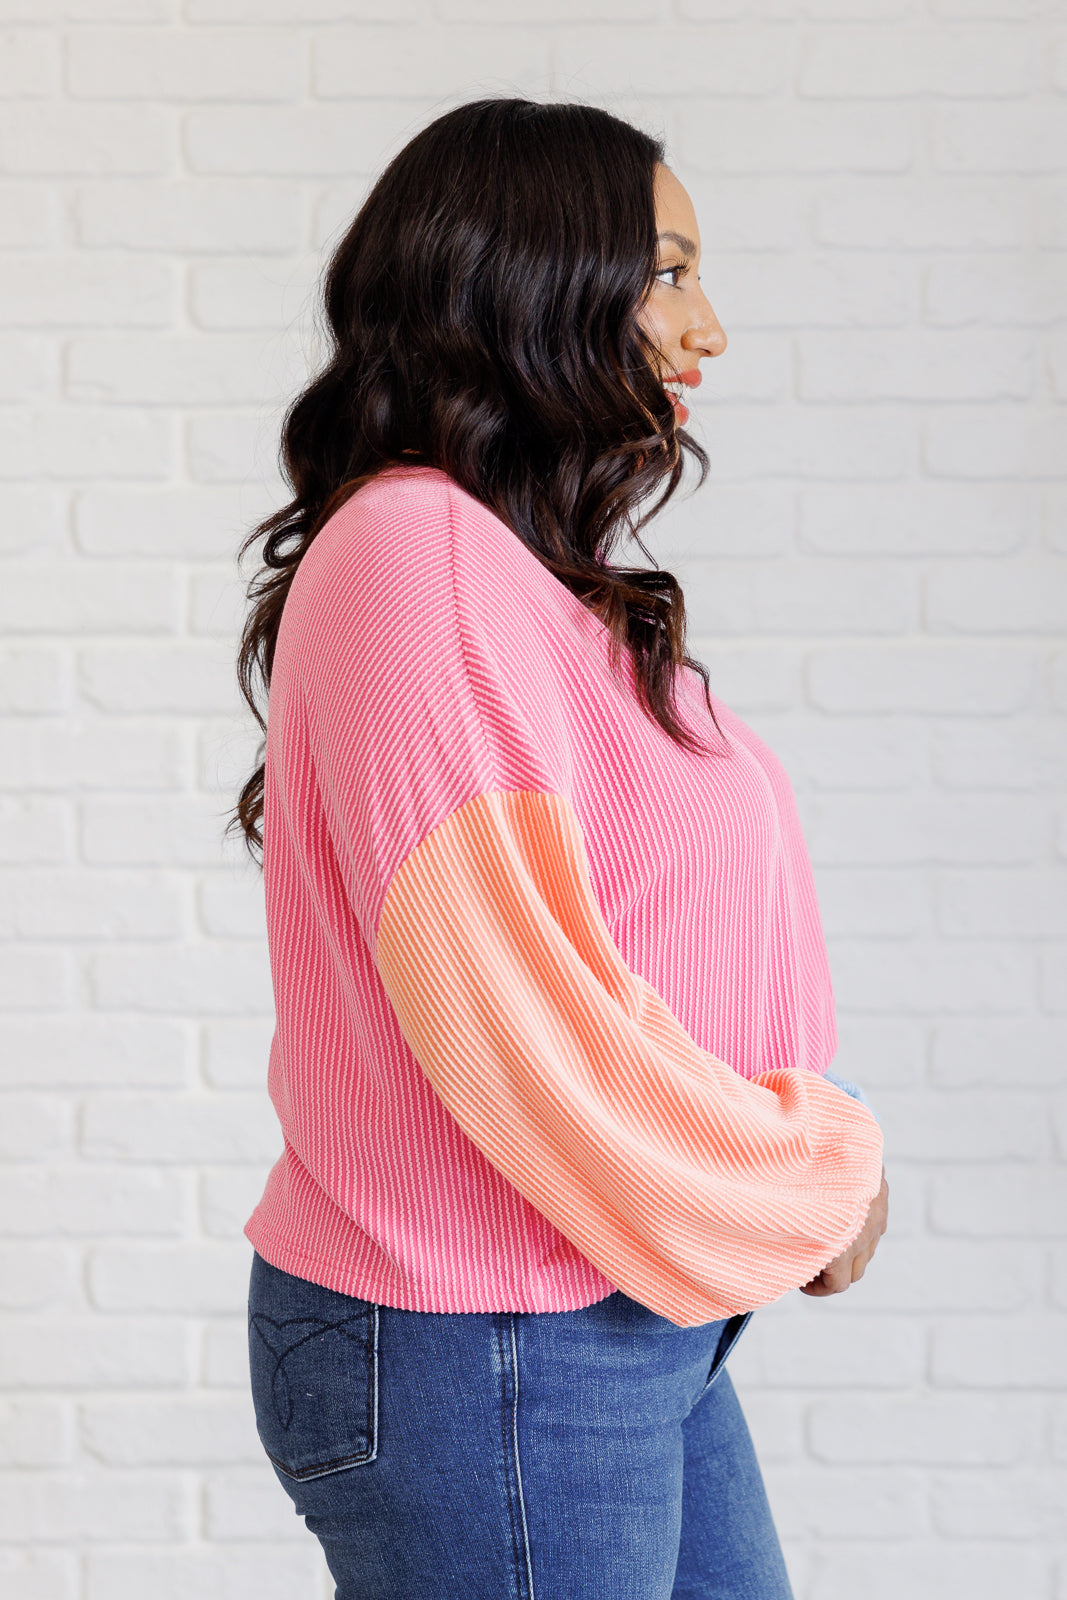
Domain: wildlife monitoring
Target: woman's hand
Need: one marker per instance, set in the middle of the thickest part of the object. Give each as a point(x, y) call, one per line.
point(850, 1266)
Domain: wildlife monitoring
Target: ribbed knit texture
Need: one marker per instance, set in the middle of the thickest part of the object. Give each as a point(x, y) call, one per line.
point(527, 951)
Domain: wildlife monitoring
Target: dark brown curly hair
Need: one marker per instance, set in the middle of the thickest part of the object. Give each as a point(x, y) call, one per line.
point(482, 316)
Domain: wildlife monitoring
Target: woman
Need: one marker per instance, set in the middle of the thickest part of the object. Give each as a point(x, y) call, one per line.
point(553, 1010)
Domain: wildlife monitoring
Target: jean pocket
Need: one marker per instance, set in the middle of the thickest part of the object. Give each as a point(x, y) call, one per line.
point(735, 1327)
point(313, 1362)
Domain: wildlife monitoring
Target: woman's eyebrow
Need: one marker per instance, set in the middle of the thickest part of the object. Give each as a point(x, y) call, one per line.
point(681, 240)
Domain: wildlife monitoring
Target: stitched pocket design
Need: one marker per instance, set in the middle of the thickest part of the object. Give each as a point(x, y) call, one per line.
point(314, 1379)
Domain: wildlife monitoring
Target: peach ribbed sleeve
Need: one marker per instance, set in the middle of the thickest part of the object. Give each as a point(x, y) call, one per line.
point(697, 1192)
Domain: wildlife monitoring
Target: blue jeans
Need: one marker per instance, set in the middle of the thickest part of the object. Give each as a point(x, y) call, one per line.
point(598, 1454)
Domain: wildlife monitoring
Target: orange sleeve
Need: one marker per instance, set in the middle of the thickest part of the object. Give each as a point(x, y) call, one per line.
point(697, 1192)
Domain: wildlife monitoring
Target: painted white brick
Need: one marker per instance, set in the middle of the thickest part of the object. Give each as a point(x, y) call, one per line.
point(914, 366)
point(217, 603)
point(965, 679)
point(991, 442)
point(227, 754)
point(1025, 754)
point(879, 901)
point(987, 1125)
point(50, 598)
point(161, 830)
point(190, 215)
point(157, 64)
point(251, 292)
point(89, 754)
point(920, 1275)
point(219, 1127)
point(880, 753)
point(836, 1503)
point(760, 290)
point(234, 447)
point(181, 678)
point(1001, 290)
point(88, 10)
point(778, 136)
point(33, 678)
point(227, 1199)
point(231, 905)
point(828, 10)
point(1010, 10)
point(881, 1050)
point(83, 1202)
point(319, 140)
point(35, 1433)
point(33, 977)
point(402, 61)
point(224, 1359)
point(92, 1507)
point(206, 370)
point(924, 828)
point(187, 523)
point(64, 441)
point(29, 64)
point(51, 138)
point(270, 1572)
point(27, 216)
point(82, 1051)
point(35, 1128)
point(235, 1053)
point(812, 1353)
point(810, 597)
point(983, 597)
point(1000, 1353)
point(753, 679)
point(86, 1352)
point(304, 11)
point(187, 1430)
point(922, 215)
point(930, 1429)
point(79, 905)
point(39, 1574)
point(1028, 1053)
point(1000, 1202)
point(926, 1570)
point(670, 61)
point(217, 980)
point(999, 138)
point(1017, 1503)
point(1059, 681)
point(1021, 905)
point(248, 1504)
point(1054, 978)
point(86, 291)
point(33, 830)
point(555, 11)
point(36, 1277)
point(190, 1279)
point(913, 519)
point(850, 443)
point(925, 977)
point(873, 62)
point(26, 372)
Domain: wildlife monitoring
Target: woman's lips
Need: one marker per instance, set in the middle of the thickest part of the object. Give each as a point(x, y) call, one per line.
point(691, 379)
point(681, 410)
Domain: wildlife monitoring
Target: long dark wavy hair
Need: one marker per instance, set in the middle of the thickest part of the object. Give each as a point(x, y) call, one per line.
point(482, 318)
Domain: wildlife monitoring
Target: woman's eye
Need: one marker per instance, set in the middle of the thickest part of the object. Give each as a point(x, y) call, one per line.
point(672, 271)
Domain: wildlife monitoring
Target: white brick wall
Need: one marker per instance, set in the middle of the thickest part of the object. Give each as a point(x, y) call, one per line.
point(876, 573)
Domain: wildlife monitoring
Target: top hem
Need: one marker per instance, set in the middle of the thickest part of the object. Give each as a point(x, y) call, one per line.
point(287, 1257)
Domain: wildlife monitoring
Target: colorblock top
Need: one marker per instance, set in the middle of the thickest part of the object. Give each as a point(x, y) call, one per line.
point(553, 1003)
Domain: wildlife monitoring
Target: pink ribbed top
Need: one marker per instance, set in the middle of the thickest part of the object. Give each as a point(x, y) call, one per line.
point(552, 996)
